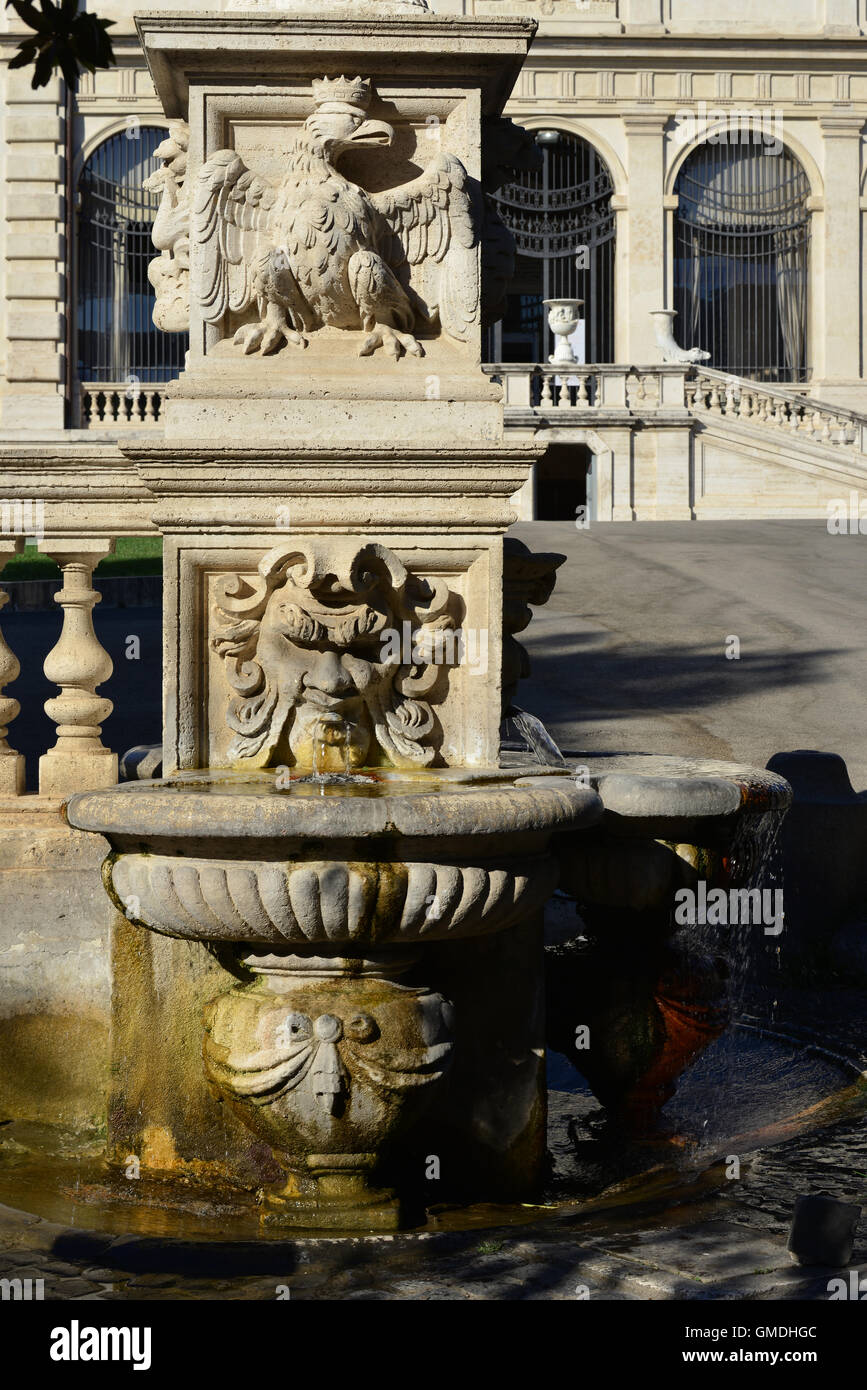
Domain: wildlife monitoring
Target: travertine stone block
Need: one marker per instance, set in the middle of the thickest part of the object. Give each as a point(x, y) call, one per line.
point(32, 412)
point(33, 324)
point(31, 362)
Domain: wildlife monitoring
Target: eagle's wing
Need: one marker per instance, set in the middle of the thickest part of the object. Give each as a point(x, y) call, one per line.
point(230, 215)
point(433, 231)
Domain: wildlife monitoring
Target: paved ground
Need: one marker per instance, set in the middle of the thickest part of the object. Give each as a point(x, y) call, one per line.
point(629, 653)
point(724, 1245)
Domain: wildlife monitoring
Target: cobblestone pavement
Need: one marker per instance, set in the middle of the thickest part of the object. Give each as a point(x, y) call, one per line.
point(729, 1244)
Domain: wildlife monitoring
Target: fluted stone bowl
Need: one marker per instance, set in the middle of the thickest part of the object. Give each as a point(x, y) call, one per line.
point(403, 857)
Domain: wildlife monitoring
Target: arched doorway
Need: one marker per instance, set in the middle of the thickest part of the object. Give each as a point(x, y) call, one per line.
point(741, 259)
point(563, 224)
point(116, 338)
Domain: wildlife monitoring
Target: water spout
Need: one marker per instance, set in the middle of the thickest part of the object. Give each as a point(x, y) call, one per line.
point(537, 738)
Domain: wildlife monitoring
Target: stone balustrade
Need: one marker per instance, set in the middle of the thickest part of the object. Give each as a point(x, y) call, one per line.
point(11, 763)
point(112, 404)
point(775, 407)
point(587, 389)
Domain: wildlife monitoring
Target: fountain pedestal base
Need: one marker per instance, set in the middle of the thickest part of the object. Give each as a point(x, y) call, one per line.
point(335, 1194)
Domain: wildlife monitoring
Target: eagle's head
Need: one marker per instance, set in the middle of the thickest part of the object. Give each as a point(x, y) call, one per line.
point(331, 133)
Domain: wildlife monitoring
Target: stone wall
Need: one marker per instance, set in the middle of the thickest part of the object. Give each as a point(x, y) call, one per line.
point(55, 922)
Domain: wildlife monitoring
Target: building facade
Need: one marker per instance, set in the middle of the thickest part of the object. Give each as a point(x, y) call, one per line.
point(696, 158)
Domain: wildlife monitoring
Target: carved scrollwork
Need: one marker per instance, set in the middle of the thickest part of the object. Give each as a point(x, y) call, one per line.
point(315, 647)
point(170, 272)
point(528, 578)
point(325, 1053)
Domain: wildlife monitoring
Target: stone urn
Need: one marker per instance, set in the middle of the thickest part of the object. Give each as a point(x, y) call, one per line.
point(564, 316)
point(329, 1059)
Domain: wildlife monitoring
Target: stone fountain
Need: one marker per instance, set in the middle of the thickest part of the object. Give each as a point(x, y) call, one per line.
point(328, 960)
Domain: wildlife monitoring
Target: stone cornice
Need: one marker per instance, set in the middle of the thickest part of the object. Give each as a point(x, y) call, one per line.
point(181, 46)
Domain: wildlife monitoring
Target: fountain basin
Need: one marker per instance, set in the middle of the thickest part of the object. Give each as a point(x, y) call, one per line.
point(339, 903)
point(230, 858)
point(669, 822)
point(649, 971)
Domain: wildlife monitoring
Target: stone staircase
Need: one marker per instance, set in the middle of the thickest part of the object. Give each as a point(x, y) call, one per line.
point(790, 453)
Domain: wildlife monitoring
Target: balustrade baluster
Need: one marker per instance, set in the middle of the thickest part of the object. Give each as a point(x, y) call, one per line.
point(840, 434)
point(78, 664)
point(547, 390)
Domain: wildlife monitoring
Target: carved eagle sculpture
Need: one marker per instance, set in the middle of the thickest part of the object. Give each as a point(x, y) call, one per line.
point(316, 249)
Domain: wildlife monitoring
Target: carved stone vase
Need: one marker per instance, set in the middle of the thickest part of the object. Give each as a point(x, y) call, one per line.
point(564, 316)
point(328, 1059)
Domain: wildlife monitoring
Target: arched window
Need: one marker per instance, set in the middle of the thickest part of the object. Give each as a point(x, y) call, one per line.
point(117, 340)
point(741, 256)
point(563, 223)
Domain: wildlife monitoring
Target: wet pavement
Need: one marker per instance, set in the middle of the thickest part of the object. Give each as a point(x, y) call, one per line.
point(704, 1236)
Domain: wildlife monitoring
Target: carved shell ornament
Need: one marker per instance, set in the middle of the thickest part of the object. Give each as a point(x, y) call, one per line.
point(314, 249)
point(311, 645)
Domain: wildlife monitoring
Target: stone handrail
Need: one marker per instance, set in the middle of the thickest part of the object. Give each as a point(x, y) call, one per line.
point(113, 404)
point(588, 387)
point(777, 407)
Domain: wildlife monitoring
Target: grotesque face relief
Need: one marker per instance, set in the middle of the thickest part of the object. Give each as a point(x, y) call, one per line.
point(326, 653)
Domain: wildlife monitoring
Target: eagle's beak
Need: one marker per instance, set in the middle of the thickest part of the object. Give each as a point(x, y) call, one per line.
point(371, 133)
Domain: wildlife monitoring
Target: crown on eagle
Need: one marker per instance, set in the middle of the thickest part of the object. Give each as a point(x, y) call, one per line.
point(344, 91)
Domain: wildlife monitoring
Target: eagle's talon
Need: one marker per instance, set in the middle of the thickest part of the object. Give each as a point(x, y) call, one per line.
point(267, 337)
point(249, 337)
point(394, 343)
point(272, 340)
